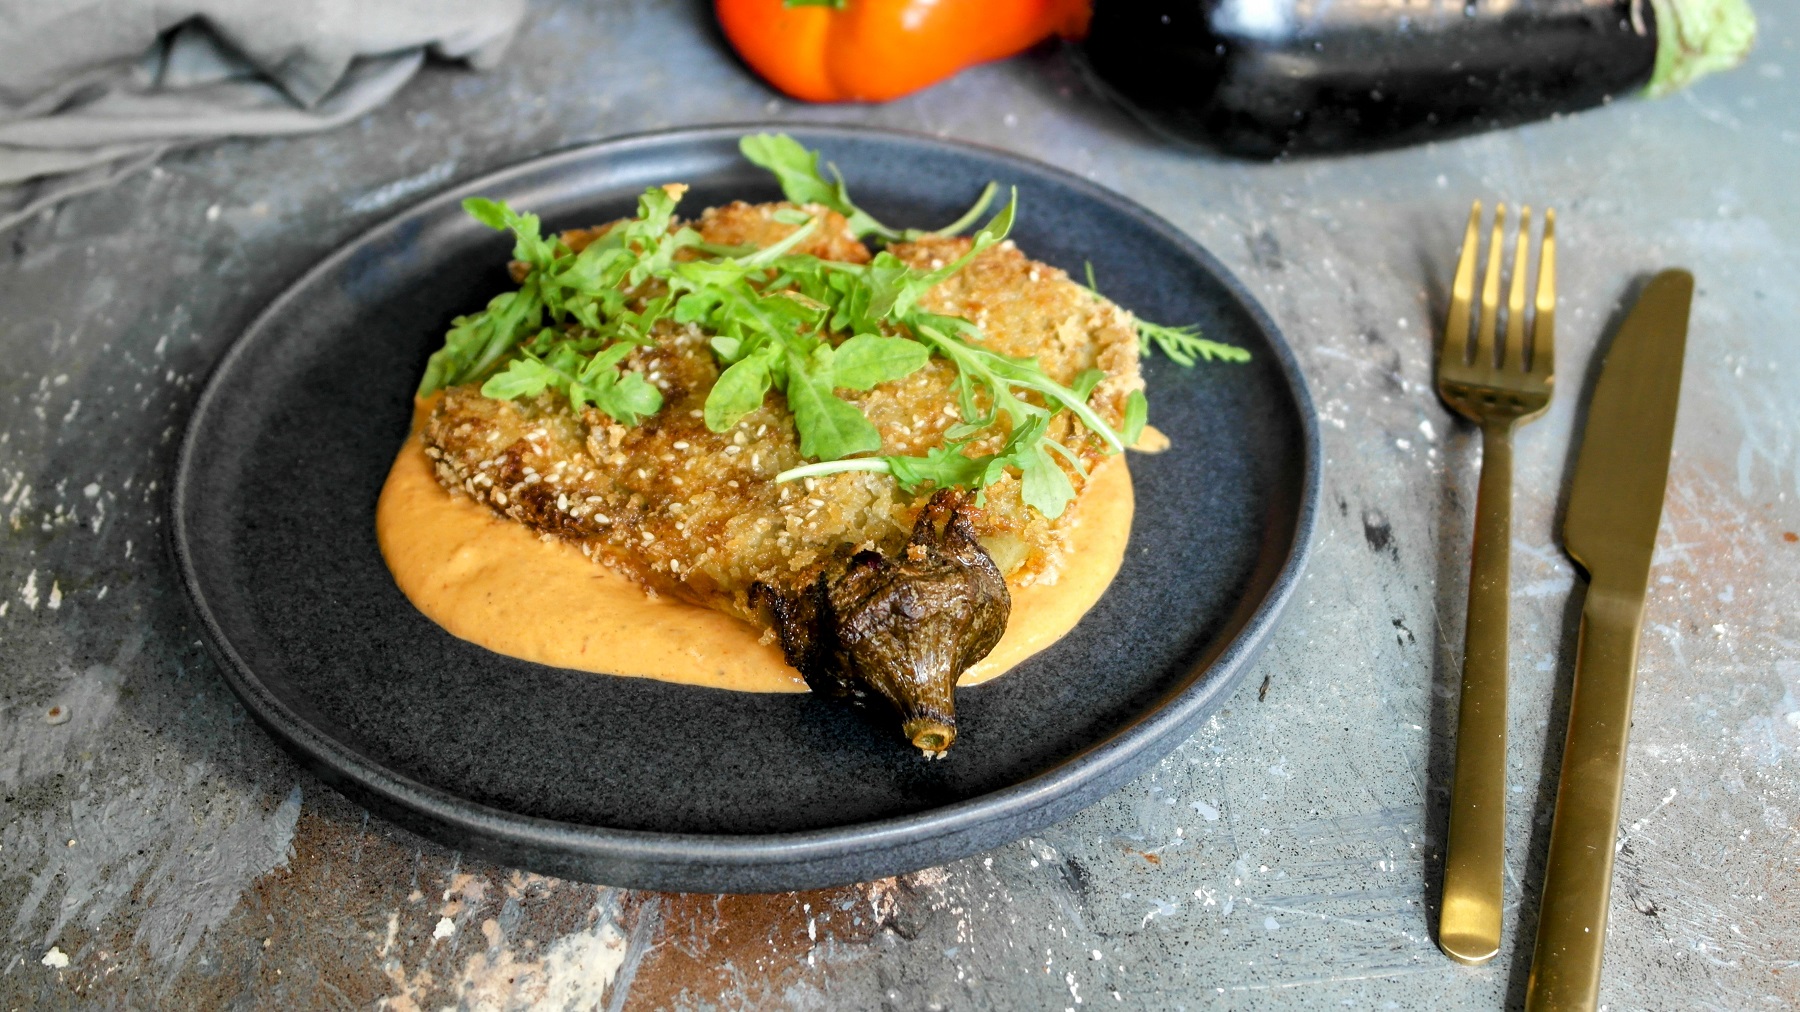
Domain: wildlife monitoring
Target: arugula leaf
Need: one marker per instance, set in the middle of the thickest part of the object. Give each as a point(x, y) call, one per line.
point(738, 391)
point(1137, 413)
point(491, 213)
point(523, 377)
point(633, 398)
point(968, 218)
point(1043, 484)
point(1184, 345)
point(587, 288)
point(866, 360)
point(530, 246)
point(476, 342)
point(829, 426)
point(625, 396)
point(775, 251)
point(797, 169)
point(944, 466)
point(912, 287)
point(1085, 382)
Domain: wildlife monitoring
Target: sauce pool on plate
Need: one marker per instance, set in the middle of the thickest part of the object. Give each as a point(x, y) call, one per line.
point(491, 581)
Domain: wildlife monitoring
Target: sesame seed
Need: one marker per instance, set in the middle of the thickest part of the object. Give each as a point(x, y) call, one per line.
point(681, 444)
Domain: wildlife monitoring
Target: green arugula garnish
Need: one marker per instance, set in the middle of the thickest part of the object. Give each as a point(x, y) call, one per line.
point(1184, 345)
point(792, 322)
point(586, 294)
point(797, 169)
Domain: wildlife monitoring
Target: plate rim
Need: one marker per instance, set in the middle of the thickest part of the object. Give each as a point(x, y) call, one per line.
point(514, 835)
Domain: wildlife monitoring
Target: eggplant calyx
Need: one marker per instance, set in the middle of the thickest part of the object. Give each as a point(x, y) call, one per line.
point(904, 627)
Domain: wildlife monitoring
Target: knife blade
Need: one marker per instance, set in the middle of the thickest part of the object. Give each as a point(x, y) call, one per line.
point(1615, 506)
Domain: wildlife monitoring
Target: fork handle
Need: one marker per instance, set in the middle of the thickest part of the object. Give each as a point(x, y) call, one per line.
point(1571, 934)
point(1474, 857)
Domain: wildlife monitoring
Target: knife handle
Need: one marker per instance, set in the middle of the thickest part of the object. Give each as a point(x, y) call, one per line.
point(1571, 934)
point(1475, 848)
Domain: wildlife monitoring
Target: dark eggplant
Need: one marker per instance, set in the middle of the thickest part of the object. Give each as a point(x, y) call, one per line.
point(903, 628)
point(1268, 78)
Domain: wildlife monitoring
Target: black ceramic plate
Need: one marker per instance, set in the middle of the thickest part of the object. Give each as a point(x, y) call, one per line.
point(652, 785)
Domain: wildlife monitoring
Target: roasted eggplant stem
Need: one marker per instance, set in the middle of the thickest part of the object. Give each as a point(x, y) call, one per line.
point(904, 628)
point(929, 735)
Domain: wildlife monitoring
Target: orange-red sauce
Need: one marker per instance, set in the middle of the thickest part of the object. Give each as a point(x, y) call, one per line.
point(493, 582)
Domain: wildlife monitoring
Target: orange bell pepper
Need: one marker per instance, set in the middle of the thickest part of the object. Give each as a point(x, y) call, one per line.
point(875, 50)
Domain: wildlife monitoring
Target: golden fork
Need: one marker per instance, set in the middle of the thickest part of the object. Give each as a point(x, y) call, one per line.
point(1497, 388)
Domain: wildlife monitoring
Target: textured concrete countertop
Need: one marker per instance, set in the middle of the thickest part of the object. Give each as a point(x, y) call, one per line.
point(157, 849)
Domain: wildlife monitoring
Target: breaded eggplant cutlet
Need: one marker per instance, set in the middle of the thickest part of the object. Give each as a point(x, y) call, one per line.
point(867, 586)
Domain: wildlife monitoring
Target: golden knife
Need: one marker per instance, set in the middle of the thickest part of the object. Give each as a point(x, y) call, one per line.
point(1614, 509)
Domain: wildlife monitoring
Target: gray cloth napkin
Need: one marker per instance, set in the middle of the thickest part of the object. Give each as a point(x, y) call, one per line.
point(93, 90)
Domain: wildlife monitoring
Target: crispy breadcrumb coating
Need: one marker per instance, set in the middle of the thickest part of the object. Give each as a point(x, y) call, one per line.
point(697, 514)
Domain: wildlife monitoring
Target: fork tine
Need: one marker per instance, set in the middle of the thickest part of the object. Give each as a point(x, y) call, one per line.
point(1543, 323)
point(1490, 293)
point(1462, 291)
point(1514, 352)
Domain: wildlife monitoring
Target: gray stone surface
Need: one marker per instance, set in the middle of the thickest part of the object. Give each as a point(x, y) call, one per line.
point(1286, 856)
